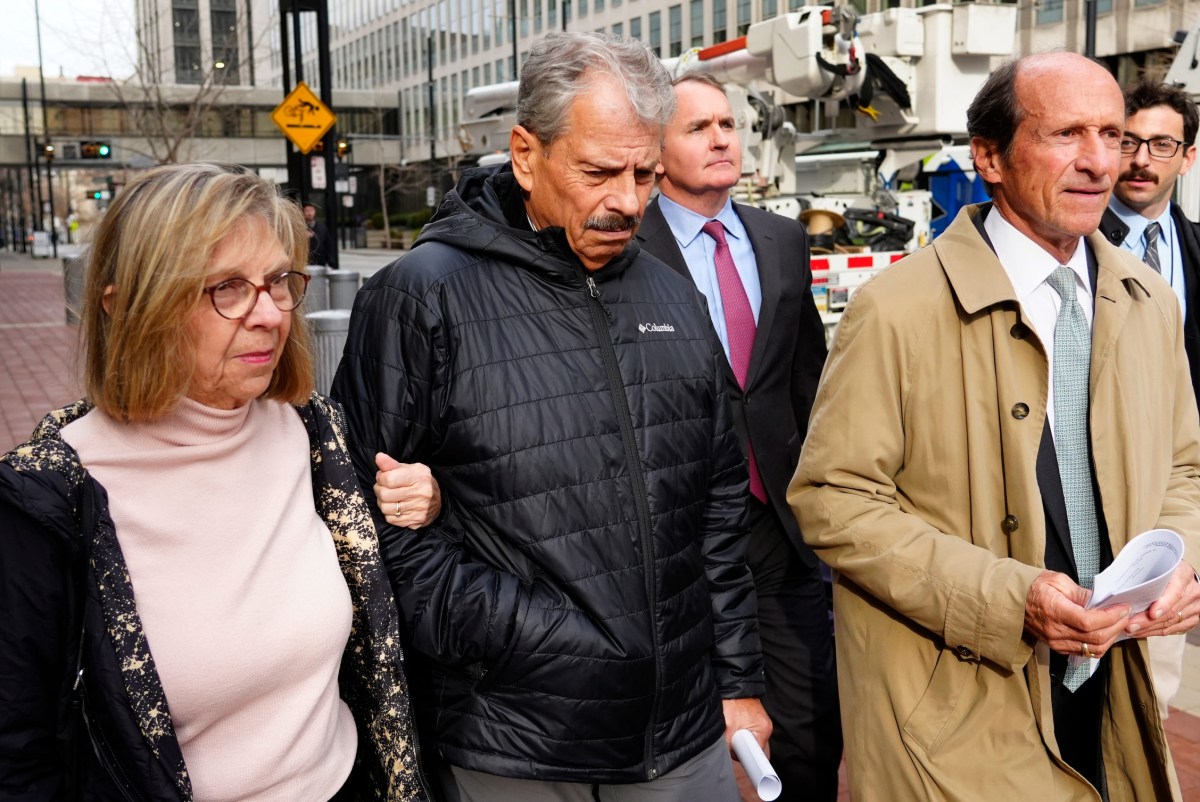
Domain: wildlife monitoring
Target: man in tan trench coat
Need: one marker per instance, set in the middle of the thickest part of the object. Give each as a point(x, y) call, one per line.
point(929, 479)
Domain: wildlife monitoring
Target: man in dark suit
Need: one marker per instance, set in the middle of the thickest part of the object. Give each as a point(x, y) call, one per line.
point(321, 250)
point(752, 266)
point(1159, 147)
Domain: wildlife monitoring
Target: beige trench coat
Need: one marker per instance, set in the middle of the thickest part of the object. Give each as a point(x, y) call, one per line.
point(917, 485)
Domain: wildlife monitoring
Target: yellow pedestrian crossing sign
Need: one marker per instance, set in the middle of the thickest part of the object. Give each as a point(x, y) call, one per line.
point(303, 118)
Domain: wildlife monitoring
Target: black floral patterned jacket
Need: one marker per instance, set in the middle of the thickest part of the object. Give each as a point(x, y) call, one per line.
point(83, 714)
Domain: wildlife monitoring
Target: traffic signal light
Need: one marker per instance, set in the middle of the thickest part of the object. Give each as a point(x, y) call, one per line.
point(48, 151)
point(97, 195)
point(95, 150)
point(343, 148)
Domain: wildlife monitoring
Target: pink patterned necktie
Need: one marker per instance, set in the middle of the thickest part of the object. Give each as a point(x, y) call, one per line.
point(740, 327)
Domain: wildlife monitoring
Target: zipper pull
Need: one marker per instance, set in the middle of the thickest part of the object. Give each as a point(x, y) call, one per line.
point(593, 290)
point(78, 679)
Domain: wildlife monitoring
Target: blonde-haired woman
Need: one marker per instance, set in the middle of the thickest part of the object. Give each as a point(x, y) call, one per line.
point(193, 605)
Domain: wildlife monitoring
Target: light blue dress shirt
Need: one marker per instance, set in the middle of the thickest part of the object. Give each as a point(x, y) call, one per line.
point(1169, 253)
point(700, 250)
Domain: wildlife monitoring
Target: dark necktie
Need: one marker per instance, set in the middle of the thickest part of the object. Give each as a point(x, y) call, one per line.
point(740, 326)
point(1072, 366)
point(1151, 255)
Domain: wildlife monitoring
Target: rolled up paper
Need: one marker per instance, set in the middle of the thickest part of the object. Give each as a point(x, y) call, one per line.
point(758, 768)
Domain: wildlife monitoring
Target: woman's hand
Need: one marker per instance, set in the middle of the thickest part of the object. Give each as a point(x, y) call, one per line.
point(407, 494)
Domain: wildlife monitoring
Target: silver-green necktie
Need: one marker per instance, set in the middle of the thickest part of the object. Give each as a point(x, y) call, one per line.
point(1072, 361)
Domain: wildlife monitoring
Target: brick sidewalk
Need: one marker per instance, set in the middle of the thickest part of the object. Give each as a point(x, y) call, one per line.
point(37, 374)
point(37, 352)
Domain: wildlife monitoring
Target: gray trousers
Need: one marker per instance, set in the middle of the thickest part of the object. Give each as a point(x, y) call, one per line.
point(708, 777)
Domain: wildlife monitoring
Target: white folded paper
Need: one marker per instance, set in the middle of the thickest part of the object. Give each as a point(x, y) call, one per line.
point(758, 768)
point(1138, 576)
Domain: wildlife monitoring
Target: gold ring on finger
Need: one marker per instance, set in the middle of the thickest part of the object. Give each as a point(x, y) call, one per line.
point(1084, 650)
point(396, 512)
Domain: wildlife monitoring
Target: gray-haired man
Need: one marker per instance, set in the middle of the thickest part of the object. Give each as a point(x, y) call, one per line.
point(583, 601)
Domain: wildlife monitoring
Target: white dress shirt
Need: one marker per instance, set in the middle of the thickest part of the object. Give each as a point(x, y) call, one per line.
point(1028, 267)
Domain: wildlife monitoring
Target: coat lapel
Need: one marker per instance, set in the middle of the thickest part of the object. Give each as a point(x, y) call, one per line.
point(654, 230)
point(770, 265)
point(1114, 280)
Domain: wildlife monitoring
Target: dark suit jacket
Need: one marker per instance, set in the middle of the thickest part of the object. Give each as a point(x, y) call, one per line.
point(1189, 246)
point(789, 349)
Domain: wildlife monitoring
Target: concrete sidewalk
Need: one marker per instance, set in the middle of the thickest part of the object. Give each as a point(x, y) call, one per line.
point(38, 353)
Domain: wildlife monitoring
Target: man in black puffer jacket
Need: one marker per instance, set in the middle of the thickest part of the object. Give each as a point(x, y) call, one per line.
point(583, 600)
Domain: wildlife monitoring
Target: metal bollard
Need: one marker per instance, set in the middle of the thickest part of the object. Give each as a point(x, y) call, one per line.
point(329, 328)
point(343, 285)
point(74, 268)
point(317, 297)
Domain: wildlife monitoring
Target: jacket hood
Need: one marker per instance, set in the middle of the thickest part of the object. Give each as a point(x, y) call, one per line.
point(485, 214)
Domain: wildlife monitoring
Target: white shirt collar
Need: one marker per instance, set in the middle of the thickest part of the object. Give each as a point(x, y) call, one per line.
point(1028, 265)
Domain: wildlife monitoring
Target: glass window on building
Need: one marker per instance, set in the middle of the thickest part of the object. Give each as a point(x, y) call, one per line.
point(635, 28)
point(770, 9)
point(598, 6)
point(618, 29)
point(537, 16)
point(675, 20)
point(405, 48)
point(225, 64)
point(454, 102)
point(108, 122)
point(1049, 11)
point(187, 65)
point(63, 121)
point(566, 12)
point(224, 27)
point(743, 17)
point(186, 24)
point(1136, 3)
point(260, 123)
point(696, 12)
point(12, 119)
point(552, 14)
point(582, 8)
point(656, 33)
point(719, 11)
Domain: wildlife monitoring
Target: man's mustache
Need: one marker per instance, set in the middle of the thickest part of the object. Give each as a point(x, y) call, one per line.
point(613, 222)
point(1138, 175)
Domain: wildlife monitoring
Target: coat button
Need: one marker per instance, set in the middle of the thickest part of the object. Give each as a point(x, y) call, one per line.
point(1010, 524)
point(1017, 332)
point(1020, 411)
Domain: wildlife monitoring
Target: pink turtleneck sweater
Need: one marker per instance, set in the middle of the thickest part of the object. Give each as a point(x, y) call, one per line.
point(238, 587)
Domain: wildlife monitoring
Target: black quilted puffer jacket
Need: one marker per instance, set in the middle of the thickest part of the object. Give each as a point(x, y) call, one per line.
point(583, 598)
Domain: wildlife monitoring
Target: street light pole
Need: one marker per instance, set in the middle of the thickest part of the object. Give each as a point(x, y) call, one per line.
point(432, 123)
point(46, 131)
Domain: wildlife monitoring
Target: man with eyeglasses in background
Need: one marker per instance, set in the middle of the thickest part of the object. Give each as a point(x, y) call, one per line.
point(1157, 148)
